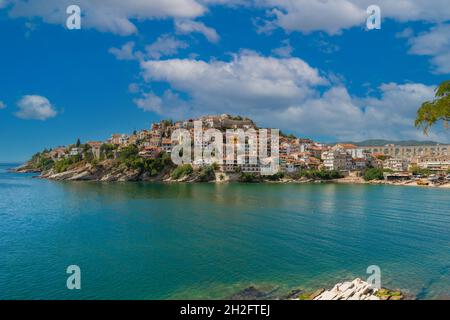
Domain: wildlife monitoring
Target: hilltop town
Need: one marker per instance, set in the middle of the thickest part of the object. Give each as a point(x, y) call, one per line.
point(145, 156)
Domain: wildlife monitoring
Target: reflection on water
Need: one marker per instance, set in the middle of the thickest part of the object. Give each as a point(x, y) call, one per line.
point(158, 241)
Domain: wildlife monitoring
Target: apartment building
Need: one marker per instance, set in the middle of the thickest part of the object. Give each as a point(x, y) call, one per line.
point(396, 164)
point(337, 159)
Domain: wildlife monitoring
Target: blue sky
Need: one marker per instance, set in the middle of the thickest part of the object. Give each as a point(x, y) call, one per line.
point(307, 67)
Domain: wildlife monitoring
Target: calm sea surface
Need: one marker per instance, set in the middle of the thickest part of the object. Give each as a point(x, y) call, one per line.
point(156, 241)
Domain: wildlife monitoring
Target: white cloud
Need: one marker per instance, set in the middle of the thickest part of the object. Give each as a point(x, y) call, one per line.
point(2, 105)
point(109, 16)
point(189, 26)
point(434, 43)
point(165, 45)
point(306, 16)
point(337, 114)
point(35, 107)
point(326, 46)
point(394, 112)
point(405, 33)
point(412, 10)
point(316, 15)
point(248, 81)
point(133, 88)
point(285, 50)
point(337, 15)
point(289, 94)
point(169, 104)
point(149, 102)
point(126, 52)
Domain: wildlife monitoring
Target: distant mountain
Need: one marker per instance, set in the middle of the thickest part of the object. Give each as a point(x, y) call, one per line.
point(381, 142)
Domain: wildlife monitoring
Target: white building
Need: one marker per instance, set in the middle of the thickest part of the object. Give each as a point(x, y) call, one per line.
point(75, 151)
point(396, 164)
point(337, 160)
point(435, 163)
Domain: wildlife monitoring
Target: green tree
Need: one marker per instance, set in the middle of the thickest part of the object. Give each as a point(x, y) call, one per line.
point(66, 163)
point(320, 174)
point(248, 177)
point(107, 150)
point(373, 174)
point(129, 152)
point(415, 170)
point(436, 110)
point(78, 143)
point(181, 171)
point(207, 174)
point(167, 122)
point(275, 177)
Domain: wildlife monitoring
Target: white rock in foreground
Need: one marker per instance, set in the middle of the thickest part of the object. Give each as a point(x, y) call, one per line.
point(354, 290)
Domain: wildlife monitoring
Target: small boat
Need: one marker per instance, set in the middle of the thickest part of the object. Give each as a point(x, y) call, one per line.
point(422, 183)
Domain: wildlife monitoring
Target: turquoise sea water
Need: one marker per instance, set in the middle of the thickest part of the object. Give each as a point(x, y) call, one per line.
point(156, 241)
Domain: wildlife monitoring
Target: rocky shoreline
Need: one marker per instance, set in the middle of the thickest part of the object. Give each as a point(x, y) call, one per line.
point(104, 172)
point(107, 171)
point(356, 289)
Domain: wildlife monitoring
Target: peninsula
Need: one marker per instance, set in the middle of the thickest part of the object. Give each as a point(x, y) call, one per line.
point(145, 155)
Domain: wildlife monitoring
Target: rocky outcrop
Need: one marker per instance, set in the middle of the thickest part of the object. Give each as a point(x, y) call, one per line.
point(357, 290)
point(354, 290)
point(107, 171)
point(26, 168)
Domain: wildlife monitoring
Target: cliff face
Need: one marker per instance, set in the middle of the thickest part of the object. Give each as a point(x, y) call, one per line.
point(105, 171)
point(110, 171)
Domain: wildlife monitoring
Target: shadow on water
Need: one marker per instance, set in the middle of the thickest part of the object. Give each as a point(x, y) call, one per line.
point(220, 194)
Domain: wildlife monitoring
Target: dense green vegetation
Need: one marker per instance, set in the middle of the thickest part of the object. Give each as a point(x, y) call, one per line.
point(107, 151)
point(167, 122)
point(66, 163)
point(181, 171)
point(275, 177)
point(41, 161)
point(375, 174)
point(320, 174)
point(249, 177)
point(129, 156)
point(207, 173)
point(87, 153)
point(419, 171)
point(129, 153)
